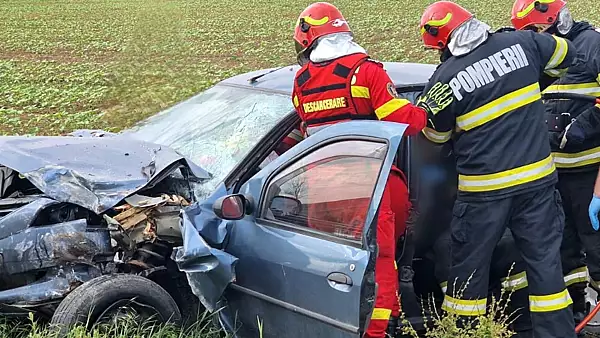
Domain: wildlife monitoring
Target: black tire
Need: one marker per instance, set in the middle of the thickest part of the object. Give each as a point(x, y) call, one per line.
point(89, 301)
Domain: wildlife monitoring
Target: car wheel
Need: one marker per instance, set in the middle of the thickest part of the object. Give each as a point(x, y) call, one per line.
point(106, 298)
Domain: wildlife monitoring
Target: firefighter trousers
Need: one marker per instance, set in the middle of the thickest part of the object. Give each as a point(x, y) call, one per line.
point(536, 220)
point(391, 224)
point(507, 278)
point(575, 190)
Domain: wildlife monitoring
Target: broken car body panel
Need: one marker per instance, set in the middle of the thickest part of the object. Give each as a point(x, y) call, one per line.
point(57, 198)
point(95, 173)
point(268, 264)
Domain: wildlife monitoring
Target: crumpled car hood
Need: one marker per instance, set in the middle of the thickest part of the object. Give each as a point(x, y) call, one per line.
point(93, 172)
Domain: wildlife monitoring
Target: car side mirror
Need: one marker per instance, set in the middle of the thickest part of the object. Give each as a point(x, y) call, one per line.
point(286, 205)
point(232, 207)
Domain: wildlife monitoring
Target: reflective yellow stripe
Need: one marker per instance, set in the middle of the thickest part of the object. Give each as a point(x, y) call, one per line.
point(499, 107)
point(437, 23)
point(444, 286)
point(316, 22)
point(381, 314)
point(390, 107)
point(437, 136)
point(359, 91)
point(530, 8)
point(508, 178)
point(590, 88)
point(560, 52)
point(296, 103)
point(594, 283)
point(395, 265)
point(515, 282)
point(574, 160)
point(556, 72)
point(576, 276)
point(464, 307)
point(548, 303)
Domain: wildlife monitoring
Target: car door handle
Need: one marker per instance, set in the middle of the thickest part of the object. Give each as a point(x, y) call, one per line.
point(339, 278)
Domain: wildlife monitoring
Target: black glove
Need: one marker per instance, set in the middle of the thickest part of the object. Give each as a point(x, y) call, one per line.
point(436, 99)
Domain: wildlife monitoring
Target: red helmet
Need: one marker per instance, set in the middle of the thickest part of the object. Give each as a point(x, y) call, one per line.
point(439, 21)
point(318, 19)
point(536, 14)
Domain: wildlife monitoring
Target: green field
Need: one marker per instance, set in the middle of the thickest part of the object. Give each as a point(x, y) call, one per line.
point(67, 64)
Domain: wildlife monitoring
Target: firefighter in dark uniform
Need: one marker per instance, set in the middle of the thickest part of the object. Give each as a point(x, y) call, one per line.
point(506, 175)
point(437, 193)
point(577, 160)
point(338, 82)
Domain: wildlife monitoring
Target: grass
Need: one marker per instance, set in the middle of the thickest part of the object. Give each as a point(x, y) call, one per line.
point(127, 327)
point(110, 63)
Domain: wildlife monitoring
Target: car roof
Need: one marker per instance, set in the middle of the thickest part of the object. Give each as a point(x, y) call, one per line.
point(281, 79)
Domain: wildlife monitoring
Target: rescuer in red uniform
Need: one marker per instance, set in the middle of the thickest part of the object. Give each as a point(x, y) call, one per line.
point(338, 82)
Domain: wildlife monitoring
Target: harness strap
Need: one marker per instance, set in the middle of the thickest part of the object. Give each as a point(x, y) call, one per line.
point(341, 117)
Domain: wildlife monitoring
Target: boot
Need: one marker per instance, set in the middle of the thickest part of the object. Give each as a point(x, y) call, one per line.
point(392, 327)
point(577, 292)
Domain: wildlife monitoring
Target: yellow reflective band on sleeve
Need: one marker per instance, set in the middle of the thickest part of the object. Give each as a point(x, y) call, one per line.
point(390, 107)
point(574, 160)
point(444, 287)
point(296, 103)
point(531, 6)
point(437, 23)
point(549, 303)
point(508, 178)
point(360, 91)
point(381, 314)
point(464, 307)
point(437, 136)
point(499, 107)
point(590, 88)
point(560, 52)
point(556, 72)
point(594, 283)
point(577, 276)
point(515, 282)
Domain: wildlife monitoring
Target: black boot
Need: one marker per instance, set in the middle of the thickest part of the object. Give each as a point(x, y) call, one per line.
point(392, 327)
point(577, 292)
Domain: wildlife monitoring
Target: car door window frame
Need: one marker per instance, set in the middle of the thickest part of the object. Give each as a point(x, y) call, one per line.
point(259, 213)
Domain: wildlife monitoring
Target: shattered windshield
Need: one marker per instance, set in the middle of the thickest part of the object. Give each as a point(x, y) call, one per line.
point(216, 128)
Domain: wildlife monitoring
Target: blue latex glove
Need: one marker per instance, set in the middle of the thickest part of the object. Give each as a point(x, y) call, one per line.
point(593, 211)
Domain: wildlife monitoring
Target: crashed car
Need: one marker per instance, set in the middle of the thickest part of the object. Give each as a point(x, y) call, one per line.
point(247, 251)
point(99, 210)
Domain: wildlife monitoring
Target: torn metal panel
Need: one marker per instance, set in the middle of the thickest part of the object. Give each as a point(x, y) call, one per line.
point(24, 217)
point(147, 219)
point(56, 284)
point(94, 172)
point(209, 271)
point(46, 246)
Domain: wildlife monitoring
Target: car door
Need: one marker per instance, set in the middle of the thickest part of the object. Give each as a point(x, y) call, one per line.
point(307, 247)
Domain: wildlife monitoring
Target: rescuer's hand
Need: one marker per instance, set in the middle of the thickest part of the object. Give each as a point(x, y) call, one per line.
point(573, 134)
point(436, 99)
point(593, 211)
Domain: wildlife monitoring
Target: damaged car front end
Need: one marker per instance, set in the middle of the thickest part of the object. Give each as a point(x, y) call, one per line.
point(76, 208)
